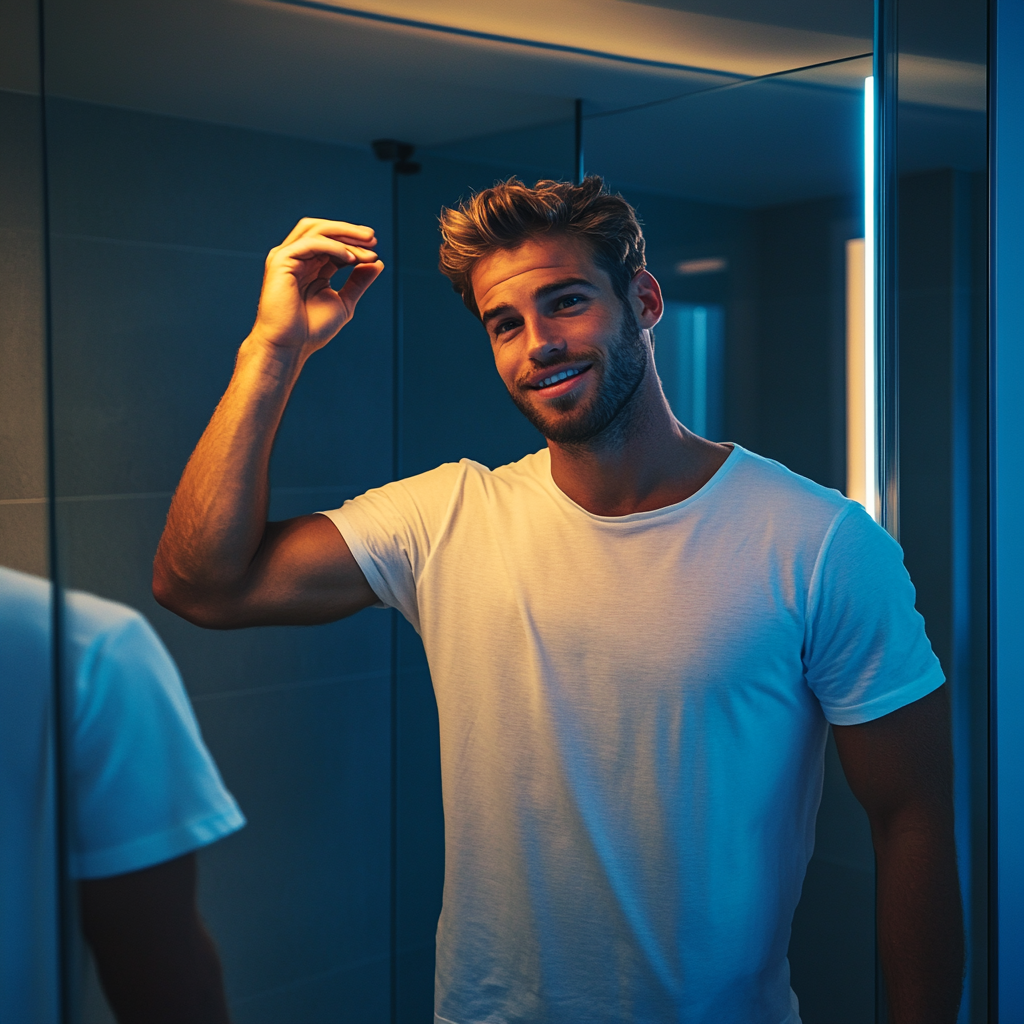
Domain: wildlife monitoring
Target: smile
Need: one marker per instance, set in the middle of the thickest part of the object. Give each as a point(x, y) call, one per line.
point(556, 378)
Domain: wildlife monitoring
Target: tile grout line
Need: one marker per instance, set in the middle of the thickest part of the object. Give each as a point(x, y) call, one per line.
point(149, 495)
point(167, 246)
point(365, 961)
point(348, 677)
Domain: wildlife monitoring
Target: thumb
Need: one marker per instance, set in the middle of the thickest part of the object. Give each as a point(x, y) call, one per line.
point(362, 276)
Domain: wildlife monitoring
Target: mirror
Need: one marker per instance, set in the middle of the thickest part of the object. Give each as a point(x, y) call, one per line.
point(30, 895)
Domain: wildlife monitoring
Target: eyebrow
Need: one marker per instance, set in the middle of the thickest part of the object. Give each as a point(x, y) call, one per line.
point(546, 289)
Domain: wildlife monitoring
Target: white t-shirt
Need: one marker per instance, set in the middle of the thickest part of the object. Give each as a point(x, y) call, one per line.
point(144, 788)
point(633, 715)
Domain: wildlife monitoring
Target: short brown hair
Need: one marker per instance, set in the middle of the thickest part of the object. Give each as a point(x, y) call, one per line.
point(509, 214)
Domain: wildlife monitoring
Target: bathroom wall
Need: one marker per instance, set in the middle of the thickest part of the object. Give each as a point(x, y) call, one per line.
point(23, 472)
point(160, 229)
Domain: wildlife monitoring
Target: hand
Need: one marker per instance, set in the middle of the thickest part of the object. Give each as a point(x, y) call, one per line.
point(299, 311)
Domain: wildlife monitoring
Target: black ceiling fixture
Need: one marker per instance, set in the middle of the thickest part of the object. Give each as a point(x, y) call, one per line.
point(397, 153)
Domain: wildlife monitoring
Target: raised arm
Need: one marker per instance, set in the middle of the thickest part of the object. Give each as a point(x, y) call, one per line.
point(220, 563)
point(900, 769)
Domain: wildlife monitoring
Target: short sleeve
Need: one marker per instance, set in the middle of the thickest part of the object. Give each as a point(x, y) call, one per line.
point(866, 652)
point(392, 531)
point(146, 789)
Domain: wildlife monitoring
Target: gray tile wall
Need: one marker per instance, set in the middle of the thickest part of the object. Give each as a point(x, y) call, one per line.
point(160, 228)
point(23, 484)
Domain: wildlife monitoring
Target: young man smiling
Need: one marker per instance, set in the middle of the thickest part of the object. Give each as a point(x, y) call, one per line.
point(637, 637)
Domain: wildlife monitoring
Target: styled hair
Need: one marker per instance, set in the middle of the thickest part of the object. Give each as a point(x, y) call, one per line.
point(509, 214)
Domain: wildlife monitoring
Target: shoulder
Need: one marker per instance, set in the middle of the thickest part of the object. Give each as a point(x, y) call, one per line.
point(25, 610)
point(515, 479)
point(119, 664)
point(96, 624)
point(845, 528)
point(785, 500)
point(467, 473)
point(443, 490)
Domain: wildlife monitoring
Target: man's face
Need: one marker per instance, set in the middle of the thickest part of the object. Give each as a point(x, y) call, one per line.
point(570, 352)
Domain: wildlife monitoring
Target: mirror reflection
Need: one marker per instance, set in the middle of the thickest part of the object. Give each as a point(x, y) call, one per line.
point(640, 631)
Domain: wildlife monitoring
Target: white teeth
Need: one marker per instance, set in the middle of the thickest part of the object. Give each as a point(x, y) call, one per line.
point(555, 378)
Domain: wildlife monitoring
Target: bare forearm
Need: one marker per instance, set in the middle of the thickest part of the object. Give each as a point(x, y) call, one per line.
point(920, 925)
point(220, 564)
point(218, 515)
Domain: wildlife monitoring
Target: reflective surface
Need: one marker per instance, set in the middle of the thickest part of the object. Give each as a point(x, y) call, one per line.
point(30, 892)
point(186, 140)
point(942, 305)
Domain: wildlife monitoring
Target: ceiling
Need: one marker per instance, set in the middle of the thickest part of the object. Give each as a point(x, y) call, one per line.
point(440, 72)
point(950, 29)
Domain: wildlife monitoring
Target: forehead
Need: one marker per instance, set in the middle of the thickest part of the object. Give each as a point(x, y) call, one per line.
point(510, 273)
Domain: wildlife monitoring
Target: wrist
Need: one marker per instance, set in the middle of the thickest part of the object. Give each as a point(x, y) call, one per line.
point(279, 363)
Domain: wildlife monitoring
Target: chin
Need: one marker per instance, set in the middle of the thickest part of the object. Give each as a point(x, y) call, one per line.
point(567, 429)
point(564, 420)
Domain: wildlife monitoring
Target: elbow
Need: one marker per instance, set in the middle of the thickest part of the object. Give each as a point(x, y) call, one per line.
point(197, 605)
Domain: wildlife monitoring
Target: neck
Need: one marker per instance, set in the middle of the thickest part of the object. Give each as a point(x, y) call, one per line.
point(644, 460)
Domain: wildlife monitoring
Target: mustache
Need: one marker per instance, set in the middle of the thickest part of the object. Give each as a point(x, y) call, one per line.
point(589, 355)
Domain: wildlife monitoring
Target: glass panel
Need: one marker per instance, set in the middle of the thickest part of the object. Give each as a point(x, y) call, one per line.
point(691, 344)
point(31, 897)
point(943, 299)
point(23, 406)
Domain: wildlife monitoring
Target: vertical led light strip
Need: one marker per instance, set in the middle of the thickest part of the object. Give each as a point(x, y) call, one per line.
point(700, 370)
point(870, 376)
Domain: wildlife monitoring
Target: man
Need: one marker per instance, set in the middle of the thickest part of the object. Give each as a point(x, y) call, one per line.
point(637, 638)
point(144, 795)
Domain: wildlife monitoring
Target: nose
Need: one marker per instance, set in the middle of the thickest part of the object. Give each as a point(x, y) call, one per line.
point(543, 340)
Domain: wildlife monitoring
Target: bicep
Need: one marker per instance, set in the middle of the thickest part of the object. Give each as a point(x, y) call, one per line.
point(303, 574)
point(124, 911)
point(902, 762)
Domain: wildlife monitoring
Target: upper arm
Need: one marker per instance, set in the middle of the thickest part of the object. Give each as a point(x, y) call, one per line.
point(866, 650)
point(302, 574)
point(901, 764)
point(155, 959)
point(151, 906)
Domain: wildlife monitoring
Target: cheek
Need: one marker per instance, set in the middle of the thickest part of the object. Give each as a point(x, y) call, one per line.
point(505, 363)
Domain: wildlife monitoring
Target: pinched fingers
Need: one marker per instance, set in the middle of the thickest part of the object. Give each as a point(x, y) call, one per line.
point(312, 246)
point(356, 234)
point(359, 280)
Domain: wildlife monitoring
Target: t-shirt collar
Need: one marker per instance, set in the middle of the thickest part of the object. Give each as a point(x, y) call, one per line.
point(734, 456)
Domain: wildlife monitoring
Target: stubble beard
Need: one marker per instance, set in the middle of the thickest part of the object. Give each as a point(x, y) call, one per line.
point(606, 418)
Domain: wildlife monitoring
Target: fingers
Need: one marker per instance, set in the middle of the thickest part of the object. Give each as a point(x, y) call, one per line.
point(359, 280)
point(314, 246)
point(356, 234)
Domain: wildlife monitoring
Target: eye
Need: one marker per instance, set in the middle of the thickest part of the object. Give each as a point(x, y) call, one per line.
point(504, 326)
point(568, 301)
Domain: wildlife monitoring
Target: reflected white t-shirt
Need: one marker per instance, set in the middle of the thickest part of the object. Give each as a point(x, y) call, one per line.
point(142, 785)
point(633, 715)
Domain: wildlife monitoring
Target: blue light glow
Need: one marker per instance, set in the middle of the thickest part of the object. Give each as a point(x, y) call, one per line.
point(870, 427)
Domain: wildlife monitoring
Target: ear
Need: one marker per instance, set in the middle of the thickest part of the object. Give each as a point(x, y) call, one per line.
point(645, 298)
